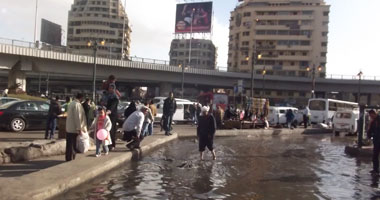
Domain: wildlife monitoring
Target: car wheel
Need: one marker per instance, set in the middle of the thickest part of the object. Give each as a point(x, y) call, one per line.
point(17, 125)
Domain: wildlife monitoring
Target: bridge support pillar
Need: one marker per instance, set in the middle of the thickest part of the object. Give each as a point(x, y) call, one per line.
point(17, 76)
point(165, 88)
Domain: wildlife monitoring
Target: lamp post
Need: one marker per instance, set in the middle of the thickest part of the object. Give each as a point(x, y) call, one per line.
point(359, 86)
point(35, 22)
point(313, 69)
point(264, 73)
point(255, 57)
point(94, 45)
point(183, 79)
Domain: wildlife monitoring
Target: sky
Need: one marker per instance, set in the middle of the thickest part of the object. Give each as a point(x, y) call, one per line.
point(354, 29)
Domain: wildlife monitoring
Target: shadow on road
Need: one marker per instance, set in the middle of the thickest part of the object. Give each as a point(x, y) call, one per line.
point(20, 169)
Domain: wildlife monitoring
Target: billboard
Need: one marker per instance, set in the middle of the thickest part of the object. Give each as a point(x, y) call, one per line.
point(193, 17)
point(51, 33)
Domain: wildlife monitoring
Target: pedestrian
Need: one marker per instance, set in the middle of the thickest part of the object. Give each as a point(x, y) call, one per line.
point(374, 132)
point(306, 114)
point(289, 118)
point(91, 113)
point(147, 121)
point(51, 124)
point(132, 128)
point(112, 104)
point(219, 113)
point(131, 109)
point(192, 110)
point(67, 102)
point(170, 106)
point(5, 93)
point(206, 132)
point(153, 109)
point(86, 108)
point(102, 121)
point(76, 124)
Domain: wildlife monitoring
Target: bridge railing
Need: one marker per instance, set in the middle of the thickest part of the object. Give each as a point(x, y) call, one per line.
point(352, 77)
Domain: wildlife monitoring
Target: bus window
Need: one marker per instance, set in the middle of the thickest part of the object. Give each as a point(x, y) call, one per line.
point(317, 105)
point(333, 106)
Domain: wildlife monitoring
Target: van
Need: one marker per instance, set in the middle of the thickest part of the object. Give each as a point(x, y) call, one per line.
point(183, 109)
point(277, 115)
point(345, 121)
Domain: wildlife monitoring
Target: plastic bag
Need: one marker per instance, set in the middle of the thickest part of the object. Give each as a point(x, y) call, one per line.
point(83, 143)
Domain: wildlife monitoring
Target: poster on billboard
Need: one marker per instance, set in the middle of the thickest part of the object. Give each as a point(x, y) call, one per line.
point(193, 17)
point(51, 33)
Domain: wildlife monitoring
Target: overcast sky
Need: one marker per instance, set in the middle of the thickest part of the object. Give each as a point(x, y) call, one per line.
point(354, 29)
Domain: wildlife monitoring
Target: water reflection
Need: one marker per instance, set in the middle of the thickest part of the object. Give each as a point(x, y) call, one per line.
point(282, 167)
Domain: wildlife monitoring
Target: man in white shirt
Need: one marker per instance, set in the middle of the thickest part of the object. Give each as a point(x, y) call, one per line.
point(132, 128)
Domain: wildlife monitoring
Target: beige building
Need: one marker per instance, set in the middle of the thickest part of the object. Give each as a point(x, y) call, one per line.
point(99, 20)
point(203, 53)
point(290, 36)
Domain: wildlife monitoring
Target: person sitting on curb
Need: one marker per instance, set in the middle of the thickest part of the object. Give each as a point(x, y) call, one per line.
point(132, 128)
point(206, 132)
point(102, 121)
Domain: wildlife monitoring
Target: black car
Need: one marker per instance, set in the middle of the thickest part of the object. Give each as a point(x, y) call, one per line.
point(20, 115)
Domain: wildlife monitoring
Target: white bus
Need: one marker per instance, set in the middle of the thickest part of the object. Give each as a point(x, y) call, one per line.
point(322, 110)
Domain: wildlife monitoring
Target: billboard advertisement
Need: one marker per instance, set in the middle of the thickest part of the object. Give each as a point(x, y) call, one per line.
point(51, 33)
point(193, 17)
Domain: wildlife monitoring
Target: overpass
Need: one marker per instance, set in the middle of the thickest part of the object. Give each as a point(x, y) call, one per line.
point(23, 62)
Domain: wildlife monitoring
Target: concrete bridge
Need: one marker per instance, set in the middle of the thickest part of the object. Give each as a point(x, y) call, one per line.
point(26, 62)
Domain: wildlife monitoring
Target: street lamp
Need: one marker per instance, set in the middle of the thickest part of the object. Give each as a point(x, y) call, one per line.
point(313, 69)
point(183, 79)
point(94, 45)
point(360, 74)
point(264, 72)
point(255, 57)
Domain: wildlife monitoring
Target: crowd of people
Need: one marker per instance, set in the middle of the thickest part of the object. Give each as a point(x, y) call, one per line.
point(85, 119)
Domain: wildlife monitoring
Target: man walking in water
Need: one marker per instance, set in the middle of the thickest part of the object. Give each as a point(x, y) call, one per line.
point(206, 131)
point(170, 106)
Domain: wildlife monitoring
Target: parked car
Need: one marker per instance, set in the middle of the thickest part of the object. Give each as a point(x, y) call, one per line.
point(120, 111)
point(19, 115)
point(4, 100)
point(277, 115)
point(345, 121)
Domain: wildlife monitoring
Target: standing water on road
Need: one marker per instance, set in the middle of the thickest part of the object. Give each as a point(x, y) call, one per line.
point(283, 167)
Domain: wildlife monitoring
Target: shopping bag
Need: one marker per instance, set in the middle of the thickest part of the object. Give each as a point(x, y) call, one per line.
point(83, 143)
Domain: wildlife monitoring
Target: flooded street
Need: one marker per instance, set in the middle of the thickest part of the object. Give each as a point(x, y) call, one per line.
point(282, 167)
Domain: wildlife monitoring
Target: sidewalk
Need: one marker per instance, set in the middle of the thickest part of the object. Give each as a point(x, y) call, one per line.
point(45, 178)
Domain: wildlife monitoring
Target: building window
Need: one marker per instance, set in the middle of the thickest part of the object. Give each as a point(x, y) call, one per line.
point(245, 43)
point(246, 33)
point(307, 12)
point(326, 13)
point(323, 54)
point(244, 62)
point(302, 94)
point(324, 34)
point(324, 44)
point(279, 93)
point(290, 93)
point(247, 14)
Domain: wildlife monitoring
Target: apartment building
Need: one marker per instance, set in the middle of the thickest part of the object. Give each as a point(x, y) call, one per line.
point(289, 35)
point(99, 20)
point(202, 54)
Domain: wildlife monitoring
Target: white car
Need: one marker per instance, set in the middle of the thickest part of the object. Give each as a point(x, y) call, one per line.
point(345, 121)
point(277, 115)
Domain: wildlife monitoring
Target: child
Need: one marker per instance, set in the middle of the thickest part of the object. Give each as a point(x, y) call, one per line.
point(102, 121)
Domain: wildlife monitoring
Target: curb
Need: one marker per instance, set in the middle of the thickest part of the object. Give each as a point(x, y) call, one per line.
point(66, 176)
